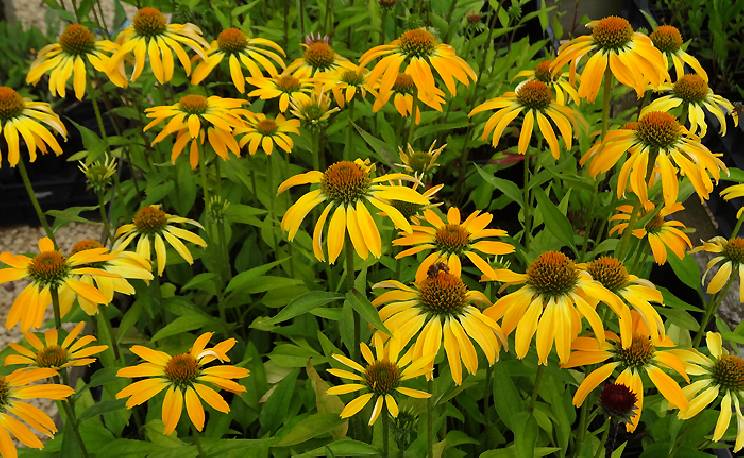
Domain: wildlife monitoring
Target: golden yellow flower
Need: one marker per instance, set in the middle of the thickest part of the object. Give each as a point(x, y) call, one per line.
point(18, 414)
point(286, 86)
point(440, 307)
point(731, 254)
point(631, 56)
point(668, 40)
point(262, 131)
point(692, 94)
point(51, 353)
point(403, 92)
point(453, 240)
point(196, 118)
point(153, 223)
point(418, 51)
point(319, 57)
point(67, 59)
point(49, 272)
point(32, 120)
point(657, 142)
point(345, 83)
point(535, 99)
point(380, 380)
point(662, 235)
point(255, 54)
point(554, 78)
point(185, 379)
point(643, 356)
point(151, 37)
point(732, 192)
point(314, 110)
point(349, 188)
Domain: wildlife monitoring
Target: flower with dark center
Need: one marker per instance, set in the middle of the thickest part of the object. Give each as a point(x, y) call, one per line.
point(85, 245)
point(728, 372)
point(345, 83)
point(610, 272)
point(265, 133)
point(543, 72)
point(182, 370)
point(668, 40)
point(150, 219)
point(313, 111)
point(319, 55)
point(417, 43)
point(77, 40)
point(618, 401)
point(232, 41)
point(193, 104)
point(612, 33)
point(442, 293)
point(148, 22)
point(318, 58)
point(473, 17)
point(691, 88)
point(552, 274)
point(658, 129)
point(639, 354)
point(287, 87)
point(402, 92)
point(728, 259)
point(382, 377)
point(451, 239)
point(11, 104)
point(52, 356)
point(387, 3)
point(534, 94)
point(345, 182)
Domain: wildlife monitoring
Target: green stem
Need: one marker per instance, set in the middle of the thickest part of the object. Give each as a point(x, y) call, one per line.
point(711, 308)
point(110, 330)
point(486, 402)
point(385, 434)
point(328, 19)
point(625, 238)
point(349, 132)
point(34, 200)
point(603, 441)
point(286, 24)
point(536, 386)
point(197, 442)
point(412, 126)
point(448, 17)
point(272, 188)
point(526, 206)
point(735, 232)
point(301, 14)
point(106, 232)
point(583, 414)
point(430, 421)
point(606, 99)
point(221, 233)
point(349, 267)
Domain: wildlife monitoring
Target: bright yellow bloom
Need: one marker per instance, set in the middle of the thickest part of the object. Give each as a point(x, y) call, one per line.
point(732, 192)
point(345, 83)
point(643, 355)
point(419, 162)
point(631, 56)
point(196, 118)
point(51, 353)
point(125, 265)
point(286, 86)
point(440, 307)
point(658, 138)
point(67, 58)
point(722, 373)
point(256, 54)
point(418, 51)
point(403, 92)
point(349, 188)
point(18, 414)
point(662, 235)
point(318, 58)
point(380, 380)
point(185, 379)
point(454, 240)
point(153, 223)
point(554, 78)
point(668, 40)
point(313, 110)
point(692, 93)
point(731, 254)
point(32, 120)
point(555, 296)
point(535, 99)
point(151, 37)
point(47, 272)
point(262, 131)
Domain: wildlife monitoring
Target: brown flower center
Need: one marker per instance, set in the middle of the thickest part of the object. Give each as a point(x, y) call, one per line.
point(417, 43)
point(655, 223)
point(182, 369)
point(85, 245)
point(150, 220)
point(4, 392)
point(728, 371)
point(691, 88)
point(345, 182)
point(387, 3)
point(266, 127)
point(452, 238)
point(442, 293)
point(48, 267)
point(352, 78)
point(404, 84)
point(609, 271)
point(193, 103)
point(640, 352)
point(148, 22)
point(612, 32)
point(232, 40)
point(382, 377)
point(542, 71)
point(534, 95)
point(320, 55)
point(618, 400)
point(288, 83)
point(666, 38)
point(53, 356)
point(77, 40)
point(552, 274)
point(11, 103)
point(658, 129)
point(473, 17)
point(407, 209)
point(734, 250)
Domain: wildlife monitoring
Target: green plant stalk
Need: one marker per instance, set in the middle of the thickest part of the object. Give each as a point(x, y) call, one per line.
point(711, 307)
point(286, 23)
point(34, 200)
point(301, 14)
point(526, 207)
point(349, 268)
point(603, 441)
point(486, 402)
point(349, 131)
point(430, 421)
point(412, 126)
point(448, 17)
point(735, 232)
point(328, 18)
point(385, 434)
point(106, 322)
point(197, 442)
point(625, 239)
point(221, 234)
point(272, 187)
point(536, 386)
point(583, 414)
point(106, 231)
point(382, 24)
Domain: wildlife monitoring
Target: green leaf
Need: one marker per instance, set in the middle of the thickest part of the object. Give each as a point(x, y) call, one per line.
point(102, 407)
point(182, 324)
point(315, 425)
point(555, 221)
point(525, 433)
point(304, 304)
point(244, 279)
point(343, 447)
point(508, 188)
point(365, 309)
point(384, 151)
point(69, 215)
point(274, 411)
point(244, 214)
point(687, 270)
point(91, 141)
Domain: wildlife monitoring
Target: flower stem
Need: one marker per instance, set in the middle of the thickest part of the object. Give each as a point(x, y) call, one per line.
point(106, 232)
point(221, 234)
point(606, 99)
point(286, 24)
point(536, 386)
point(526, 204)
point(486, 402)
point(430, 422)
point(385, 435)
point(603, 441)
point(104, 319)
point(412, 127)
point(349, 132)
point(197, 442)
point(34, 200)
point(583, 414)
point(735, 232)
point(272, 187)
point(349, 267)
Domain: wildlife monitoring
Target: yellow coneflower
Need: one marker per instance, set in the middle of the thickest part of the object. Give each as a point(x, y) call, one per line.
point(402, 92)
point(419, 162)
point(419, 52)
point(319, 57)
point(49, 272)
point(692, 94)
point(125, 265)
point(668, 40)
point(631, 56)
point(286, 86)
point(662, 235)
point(264, 132)
point(453, 240)
point(732, 192)
point(349, 188)
point(731, 254)
point(196, 118)
point(67, 59)
point(643, 356)
point(380, 380)
point(345, 83)
point(255, 54)
point(313, 110)
point(551, 304)
point(657, 138)
point(51, 353)
point(440, 307)
point(18, 414)
point(554, 78)
point(722, 373)
point(32, 120)
point(535, 99)
point(151, 37)
point(153, 223)
point(185, 379)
